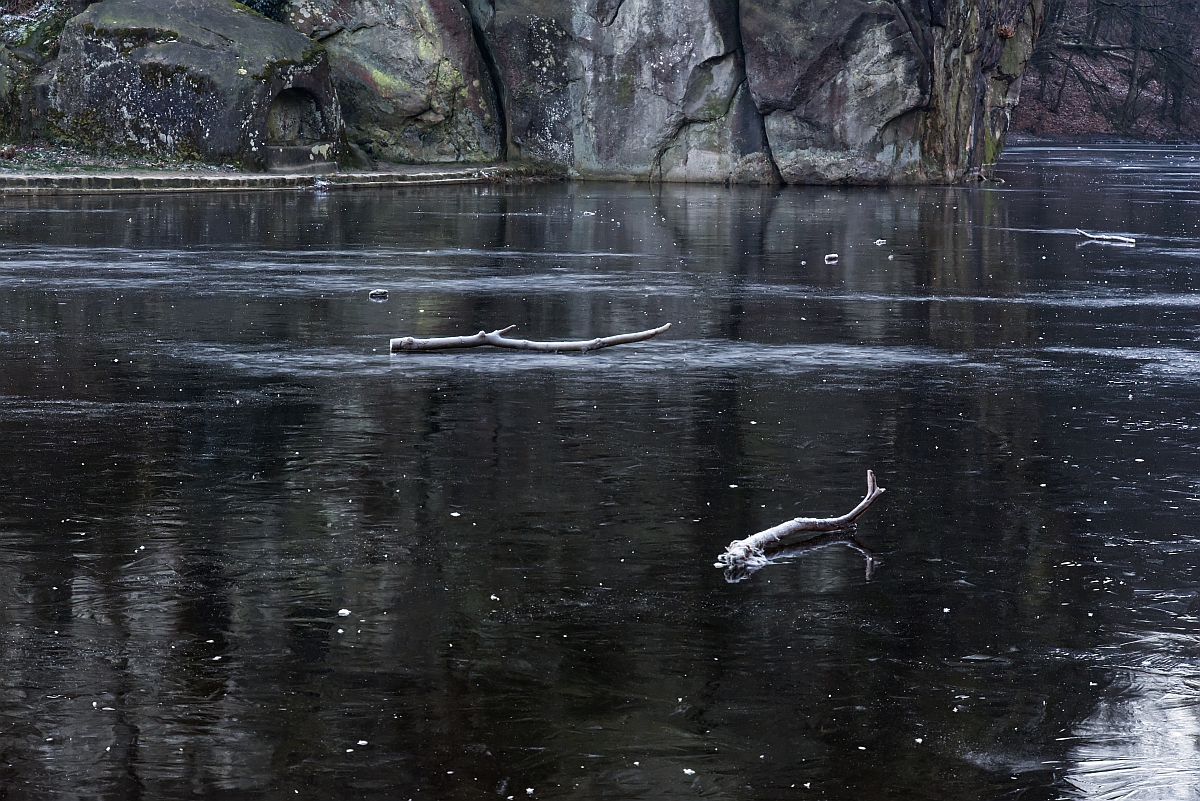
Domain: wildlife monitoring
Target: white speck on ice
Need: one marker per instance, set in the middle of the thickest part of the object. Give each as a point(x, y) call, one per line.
point(362, 742)
point(455, 514)
point(495, 597)
point(343, 613)
point(733, 486)
point(880, 241)
point(689, 772)
point(919, 741)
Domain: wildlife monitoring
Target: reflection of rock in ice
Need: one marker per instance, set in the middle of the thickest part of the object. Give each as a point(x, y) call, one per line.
point(1141, 745)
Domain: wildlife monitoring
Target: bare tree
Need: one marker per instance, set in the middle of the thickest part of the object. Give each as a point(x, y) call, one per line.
point(1135, 60)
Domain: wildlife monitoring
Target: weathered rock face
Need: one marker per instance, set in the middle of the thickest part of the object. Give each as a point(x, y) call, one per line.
point(28, 39)
point(811, 91)
point(410, 78)
point(835, 81)
point(979, 54)
point(636, 89)
point(799, 91)
point(203, 78)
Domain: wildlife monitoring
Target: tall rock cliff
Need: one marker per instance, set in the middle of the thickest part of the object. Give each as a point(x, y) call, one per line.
point(743, 91)
point(807, 91)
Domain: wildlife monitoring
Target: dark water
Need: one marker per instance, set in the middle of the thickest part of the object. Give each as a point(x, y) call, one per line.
point(209, 452)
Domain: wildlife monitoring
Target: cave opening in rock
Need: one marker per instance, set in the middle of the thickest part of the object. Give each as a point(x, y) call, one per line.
point(295, 119)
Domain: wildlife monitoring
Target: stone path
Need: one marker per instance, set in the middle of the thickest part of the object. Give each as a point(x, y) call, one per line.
point(102, 181)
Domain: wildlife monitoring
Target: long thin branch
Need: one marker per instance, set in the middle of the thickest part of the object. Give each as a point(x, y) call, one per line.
point(496, 339)
point(1107, 237)
point(751, 548)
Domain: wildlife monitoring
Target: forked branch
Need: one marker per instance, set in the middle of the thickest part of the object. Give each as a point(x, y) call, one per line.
point(752, 548)
point(497, 339)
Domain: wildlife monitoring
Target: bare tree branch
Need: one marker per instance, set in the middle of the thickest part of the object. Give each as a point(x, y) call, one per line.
point(751, 549)
point(745, 569)
point(496, 339)
point(1107, 237)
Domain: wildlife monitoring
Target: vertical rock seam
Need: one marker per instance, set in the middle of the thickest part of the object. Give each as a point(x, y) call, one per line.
point(489, 62)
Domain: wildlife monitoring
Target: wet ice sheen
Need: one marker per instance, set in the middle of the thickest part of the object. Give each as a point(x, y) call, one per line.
point(210, 386)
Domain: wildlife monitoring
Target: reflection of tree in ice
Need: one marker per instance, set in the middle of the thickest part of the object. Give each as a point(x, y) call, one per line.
point(1140, 743)
point(744, 568)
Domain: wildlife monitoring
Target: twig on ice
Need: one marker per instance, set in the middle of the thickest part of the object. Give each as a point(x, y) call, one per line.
point(496, 338)
point(747, 568)
point(1129, 240)
point(751, 549)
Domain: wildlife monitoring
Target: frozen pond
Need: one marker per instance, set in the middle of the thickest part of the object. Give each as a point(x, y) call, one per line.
point(209, 452)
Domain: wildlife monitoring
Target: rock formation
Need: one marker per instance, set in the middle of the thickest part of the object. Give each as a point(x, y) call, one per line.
point(744, 91)
point(207, 78)
point(409, 76)
point(822, 91)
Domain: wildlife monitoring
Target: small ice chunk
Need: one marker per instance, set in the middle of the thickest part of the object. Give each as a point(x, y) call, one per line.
point(689, 772)
point(495, 597)
point(455, 514)
point(362, 742)
point(831, 258)
point(880, 241)
point(343, 613)
point(528, 791)
point(216, 659)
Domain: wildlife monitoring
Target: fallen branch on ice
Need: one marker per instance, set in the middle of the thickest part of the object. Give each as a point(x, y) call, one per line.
point(751, 549)
point(1129, 240)
point(496, 339)
point(748, 567)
